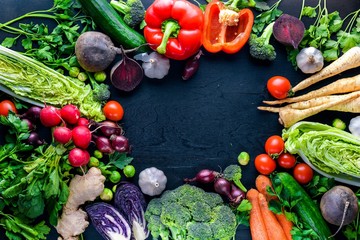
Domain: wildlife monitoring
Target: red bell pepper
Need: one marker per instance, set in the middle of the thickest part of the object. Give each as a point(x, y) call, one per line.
point(174, 27)
point(229, 34)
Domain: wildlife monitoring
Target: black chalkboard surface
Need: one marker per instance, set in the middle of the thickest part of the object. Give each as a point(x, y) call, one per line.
point(181, 126)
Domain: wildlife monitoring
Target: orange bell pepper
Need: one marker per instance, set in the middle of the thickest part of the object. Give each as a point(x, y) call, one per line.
point(219, 35)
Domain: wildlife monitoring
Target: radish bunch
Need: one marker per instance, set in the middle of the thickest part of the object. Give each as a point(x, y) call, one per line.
point(69, 127)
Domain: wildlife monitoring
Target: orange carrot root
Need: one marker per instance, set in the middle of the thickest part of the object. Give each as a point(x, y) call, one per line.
point(261, 183)
point(285, 224)
point(272, 225)
point(257, 224)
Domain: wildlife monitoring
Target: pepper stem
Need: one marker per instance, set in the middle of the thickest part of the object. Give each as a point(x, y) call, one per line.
point(170, 28)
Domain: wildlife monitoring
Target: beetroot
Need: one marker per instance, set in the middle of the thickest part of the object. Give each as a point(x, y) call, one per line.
point(289, 30)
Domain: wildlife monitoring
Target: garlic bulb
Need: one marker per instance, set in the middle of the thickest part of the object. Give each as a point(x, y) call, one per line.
point(354, 126)
point(310, 60)
point(152, 181)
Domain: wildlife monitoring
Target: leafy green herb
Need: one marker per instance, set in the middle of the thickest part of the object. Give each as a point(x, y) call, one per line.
point(319, 185)
point(243, 212)
point(266, 17)
point(119, 160)
point(328, 33)
point(54, 48)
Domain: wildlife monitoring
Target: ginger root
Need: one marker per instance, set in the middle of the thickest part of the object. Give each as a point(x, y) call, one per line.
point(73, 220)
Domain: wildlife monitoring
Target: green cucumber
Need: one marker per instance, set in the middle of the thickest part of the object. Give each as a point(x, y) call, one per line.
point(306, 209)
point(110, 22)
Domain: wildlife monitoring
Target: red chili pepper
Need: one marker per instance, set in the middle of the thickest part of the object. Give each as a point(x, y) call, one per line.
point(173, 28)
point(221, 36)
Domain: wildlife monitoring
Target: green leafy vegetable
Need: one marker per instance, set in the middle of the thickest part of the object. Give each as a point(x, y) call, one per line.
point(352, 231)
point(330, 149)
point(31, 80)
point(328, 33)
point(55, 48)
point(266, 17)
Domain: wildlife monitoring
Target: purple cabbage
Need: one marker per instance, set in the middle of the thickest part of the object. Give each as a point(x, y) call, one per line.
point(108, 221)
point(130, 201)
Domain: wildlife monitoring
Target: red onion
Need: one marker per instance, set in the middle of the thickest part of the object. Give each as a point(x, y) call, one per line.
point(223, 187)
point(203, 176)
point(237, 195)
point(119, 143)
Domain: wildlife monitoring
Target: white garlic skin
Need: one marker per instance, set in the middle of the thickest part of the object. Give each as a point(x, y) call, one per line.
point(310, 60)
point(354, 126)
point(152, 181)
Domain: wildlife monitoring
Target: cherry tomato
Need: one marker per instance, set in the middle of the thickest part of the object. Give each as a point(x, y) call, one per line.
point(279, 87)
point(6, 106)
point(303, 173)
point(286, 160)
point(264, 164)
point(113, 111)
point(274, 145)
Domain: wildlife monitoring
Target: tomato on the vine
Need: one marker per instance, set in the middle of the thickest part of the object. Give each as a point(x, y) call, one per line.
point(303, 173)
point(265, 164)
point(6, 106)
point(113, 111)
point(286, 160)
point(274, 145)
point(279, 87)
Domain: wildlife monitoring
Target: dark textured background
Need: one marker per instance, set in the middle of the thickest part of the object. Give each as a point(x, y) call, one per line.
point(181, 126)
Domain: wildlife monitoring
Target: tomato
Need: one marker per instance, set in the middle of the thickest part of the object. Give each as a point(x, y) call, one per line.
point(279, 87)
point(274, 145)
point(286, 160)
point(303, 173)
point(265, 164)
point(6, 106)
point(113, 111)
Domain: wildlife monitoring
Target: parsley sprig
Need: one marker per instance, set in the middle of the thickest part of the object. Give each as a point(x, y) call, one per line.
point(329, 33)
point(55, 47)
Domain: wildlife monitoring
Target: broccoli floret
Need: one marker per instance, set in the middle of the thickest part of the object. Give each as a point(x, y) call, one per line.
point(233, 173)
point(199, 231)
point(240, 4)
point(189, 213)
point(101, 92)
point(133, 11)
point(260, 48)
point(223, 223)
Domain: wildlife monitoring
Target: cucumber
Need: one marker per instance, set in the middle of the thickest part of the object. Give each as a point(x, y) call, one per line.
point(306, 209)
point(110, 22)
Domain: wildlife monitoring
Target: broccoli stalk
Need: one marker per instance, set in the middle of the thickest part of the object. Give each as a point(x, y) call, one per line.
point(133, 11)
point(260, 48)
point(101, 92)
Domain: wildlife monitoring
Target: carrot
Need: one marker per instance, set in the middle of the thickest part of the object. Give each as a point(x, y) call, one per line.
point(261, 183)
point(349, 60)
point(257, 224)
point(285, 224)
point(272, 225)
point(343, 85)
point(289, 116)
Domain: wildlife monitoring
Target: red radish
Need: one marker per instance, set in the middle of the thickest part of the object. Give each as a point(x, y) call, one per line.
point(78, 157)
point(81, 136)
point(62, 135)
point(203, 176)
point(50, 116)
point(70, 114)
point(83, 122)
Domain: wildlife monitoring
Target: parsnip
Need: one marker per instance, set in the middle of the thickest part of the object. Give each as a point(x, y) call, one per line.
point(343, 85)
point(349, 60)
point(84, 188)
point(289, 115)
